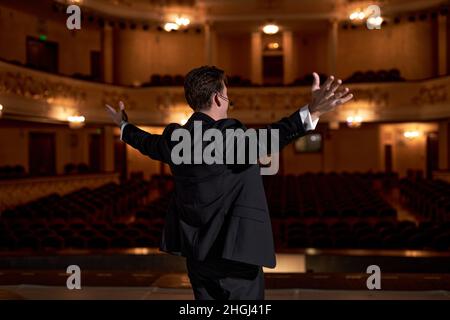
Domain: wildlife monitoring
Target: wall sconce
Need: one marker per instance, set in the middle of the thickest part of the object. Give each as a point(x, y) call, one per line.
point(375, 22)
point(176, 22)
point(170, 26)
point(273, 46)
point(372, 15)
point(357, 15)
point(413, 134)
point(182, 21)
point(354, 121)
point(1, 110)
point(76, 122)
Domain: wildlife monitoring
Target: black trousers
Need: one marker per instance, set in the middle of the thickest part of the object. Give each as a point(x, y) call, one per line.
point(221, 279)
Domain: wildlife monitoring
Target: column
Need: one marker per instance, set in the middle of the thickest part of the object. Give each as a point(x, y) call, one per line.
point(107, 49)
point(256, 66)
point(208, 44)
point(332, 47)
point(288, 58)
point(108, 140)
point(442, 45)
point(444, 144)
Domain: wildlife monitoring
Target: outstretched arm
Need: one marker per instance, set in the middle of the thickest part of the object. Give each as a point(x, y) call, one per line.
point(152, 145)
point(324, 99)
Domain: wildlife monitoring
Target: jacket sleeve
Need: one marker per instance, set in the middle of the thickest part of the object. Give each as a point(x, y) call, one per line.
point(289, 129)
point(286, 130)
point(155, 146)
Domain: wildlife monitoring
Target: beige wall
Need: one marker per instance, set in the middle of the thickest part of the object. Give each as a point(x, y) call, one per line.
point(139, 54)
point(74, 46)
point(362, 149)
point(136, 161)
point(409, 47)
point(345, 149)
point(407, 153)
point(311, 53)
point(233, 54)
point(14, 145)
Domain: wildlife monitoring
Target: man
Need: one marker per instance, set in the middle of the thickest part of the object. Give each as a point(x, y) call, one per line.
point(218, 216)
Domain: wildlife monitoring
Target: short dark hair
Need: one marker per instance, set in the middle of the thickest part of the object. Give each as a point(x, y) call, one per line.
point(200, 83)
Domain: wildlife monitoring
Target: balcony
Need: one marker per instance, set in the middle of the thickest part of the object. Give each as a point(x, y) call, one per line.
point(39, 96)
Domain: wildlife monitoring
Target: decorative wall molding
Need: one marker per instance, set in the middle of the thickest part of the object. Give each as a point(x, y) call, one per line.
point(33, 95)
point(42, 89)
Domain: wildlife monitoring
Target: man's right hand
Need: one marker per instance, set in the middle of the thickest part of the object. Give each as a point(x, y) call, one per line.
point(118, 117)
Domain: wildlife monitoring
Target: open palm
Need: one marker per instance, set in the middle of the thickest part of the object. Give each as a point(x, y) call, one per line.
point(327, 97)
point(117, 116)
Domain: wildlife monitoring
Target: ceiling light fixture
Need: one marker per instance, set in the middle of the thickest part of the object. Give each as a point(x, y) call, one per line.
point(182, 21)
point(170, 26)
point(271, 28)
point(375, 21)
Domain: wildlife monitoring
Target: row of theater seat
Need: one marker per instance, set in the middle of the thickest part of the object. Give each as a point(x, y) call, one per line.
point(392, 75)
point(71, 168)
point(429, 198)
point(308, 195)
point(326, 195)
point(108, 200)
point(87, 218)
point(18, 171)
point(78, 234)
point(12, 172)
point(363, 235)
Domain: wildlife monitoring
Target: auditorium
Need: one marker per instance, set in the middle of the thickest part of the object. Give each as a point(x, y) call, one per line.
point(354, 206)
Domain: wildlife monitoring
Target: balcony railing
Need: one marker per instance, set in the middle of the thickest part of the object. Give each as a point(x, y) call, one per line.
point(34, 95)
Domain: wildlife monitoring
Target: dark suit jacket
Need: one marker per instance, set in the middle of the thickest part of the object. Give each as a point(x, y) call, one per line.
point(217, 210)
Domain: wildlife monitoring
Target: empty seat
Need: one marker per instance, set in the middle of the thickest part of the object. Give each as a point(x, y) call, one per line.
point(146, 241)
point(53, 242)
point(98, 242)
point(77, 242)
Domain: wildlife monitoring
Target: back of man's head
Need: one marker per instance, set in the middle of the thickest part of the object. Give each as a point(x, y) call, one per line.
point(200, 83)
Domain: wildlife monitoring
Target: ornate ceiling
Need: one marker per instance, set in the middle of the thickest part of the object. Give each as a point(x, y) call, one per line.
point(248, 10)
point(243, 15)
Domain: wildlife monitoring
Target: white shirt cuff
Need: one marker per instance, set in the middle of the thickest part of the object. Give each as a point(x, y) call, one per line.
point(121, 129)
point(306, 119)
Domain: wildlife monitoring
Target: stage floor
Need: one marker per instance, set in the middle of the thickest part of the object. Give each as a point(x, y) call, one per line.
point(35, 292)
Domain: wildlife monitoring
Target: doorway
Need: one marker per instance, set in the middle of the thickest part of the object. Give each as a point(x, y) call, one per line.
point(41, 148)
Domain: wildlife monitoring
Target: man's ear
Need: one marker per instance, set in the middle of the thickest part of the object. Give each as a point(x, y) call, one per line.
point(216, 99)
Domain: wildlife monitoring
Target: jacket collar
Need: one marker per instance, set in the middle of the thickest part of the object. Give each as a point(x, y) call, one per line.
point(200, 116)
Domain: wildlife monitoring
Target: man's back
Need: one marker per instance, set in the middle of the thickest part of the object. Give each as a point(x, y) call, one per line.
point(216, 210)
point(218, 217)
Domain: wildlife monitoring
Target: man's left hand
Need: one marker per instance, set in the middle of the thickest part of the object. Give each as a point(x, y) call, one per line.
point(327, 97)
